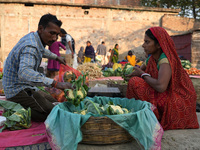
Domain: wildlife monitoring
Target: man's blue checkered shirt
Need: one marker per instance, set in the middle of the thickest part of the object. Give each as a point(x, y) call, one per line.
point(21, 66)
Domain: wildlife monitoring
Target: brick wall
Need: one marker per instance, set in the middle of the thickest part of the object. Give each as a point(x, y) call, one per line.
point(176, 24)
point(130, 3)
point(110, 25)
point(195, 49)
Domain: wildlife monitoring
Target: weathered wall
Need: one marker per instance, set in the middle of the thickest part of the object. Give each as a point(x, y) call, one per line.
point(196, 49)
point(176, 24)
point(83, 2)
point(125, 27)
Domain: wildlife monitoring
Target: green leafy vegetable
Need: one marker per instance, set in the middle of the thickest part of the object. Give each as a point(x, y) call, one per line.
point(17, 117)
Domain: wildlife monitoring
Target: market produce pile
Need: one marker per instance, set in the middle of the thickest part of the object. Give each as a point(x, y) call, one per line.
point(93, 70)
point(128, 69)
point(16, 116)
point(98, 109)
point(1, 73)
point(110, 72)
point(193, 71)
point(78, 94)
point(190, 70)
point(186, 64)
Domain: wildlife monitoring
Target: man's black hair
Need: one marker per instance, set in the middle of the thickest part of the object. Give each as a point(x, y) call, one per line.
point(151, 36)
point(102, 42)
point(45, 19)
point(63, 31)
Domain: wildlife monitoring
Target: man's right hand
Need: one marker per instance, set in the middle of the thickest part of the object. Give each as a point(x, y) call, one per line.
point(62, 85)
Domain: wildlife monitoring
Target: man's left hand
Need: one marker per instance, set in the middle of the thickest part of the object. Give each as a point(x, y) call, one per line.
point(61, 60)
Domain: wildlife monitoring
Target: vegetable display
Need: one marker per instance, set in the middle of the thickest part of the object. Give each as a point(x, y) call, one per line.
point(69, 76)
point(93, 70)
point(186, 64)
point(108, 109)
point(193, 71)
point(1, 75)
point(128, 69)
point(79, 93)
point(16, 116)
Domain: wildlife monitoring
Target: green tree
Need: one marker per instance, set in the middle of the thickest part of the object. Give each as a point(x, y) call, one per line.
point(189, 8)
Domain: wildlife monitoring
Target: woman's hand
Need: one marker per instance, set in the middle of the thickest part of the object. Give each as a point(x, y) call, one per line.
point(137, 72)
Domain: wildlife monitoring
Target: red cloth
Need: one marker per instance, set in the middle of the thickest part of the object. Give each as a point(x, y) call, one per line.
point(34, 135)
point(176, 107)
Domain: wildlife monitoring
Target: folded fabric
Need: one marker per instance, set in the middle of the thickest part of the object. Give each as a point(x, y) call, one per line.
point(64, 127)
point(34, 135)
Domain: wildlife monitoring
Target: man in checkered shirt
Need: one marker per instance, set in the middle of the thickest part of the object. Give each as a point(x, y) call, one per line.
point(21, 76)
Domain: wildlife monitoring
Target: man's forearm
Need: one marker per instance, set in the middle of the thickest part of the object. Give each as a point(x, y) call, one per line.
point(49, 54)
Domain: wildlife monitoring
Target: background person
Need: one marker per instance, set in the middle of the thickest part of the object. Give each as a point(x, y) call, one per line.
point(69, 54)
point(131, 58)
point(115, 54)
point(53, 65)
point(81, 55)
point(163, 82)
point(89, 52)
point(101, 51)
point(21, 74)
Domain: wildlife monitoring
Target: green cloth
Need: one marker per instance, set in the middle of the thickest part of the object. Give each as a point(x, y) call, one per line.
point(162, 56)
point(63, 127)
point(115, 55)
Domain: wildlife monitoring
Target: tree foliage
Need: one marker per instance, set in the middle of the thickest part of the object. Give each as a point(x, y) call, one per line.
point(189, 8)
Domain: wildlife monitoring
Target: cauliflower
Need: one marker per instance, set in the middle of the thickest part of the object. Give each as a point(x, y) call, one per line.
point(80, 93)
point(117, 109)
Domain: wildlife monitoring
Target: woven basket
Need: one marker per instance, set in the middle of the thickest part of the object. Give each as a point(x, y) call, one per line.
point(102, 130)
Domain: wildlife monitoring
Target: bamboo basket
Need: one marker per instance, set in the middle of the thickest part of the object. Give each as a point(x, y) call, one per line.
point(102, 130)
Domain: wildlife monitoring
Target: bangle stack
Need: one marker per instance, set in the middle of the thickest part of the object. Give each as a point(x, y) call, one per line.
point(145, 74)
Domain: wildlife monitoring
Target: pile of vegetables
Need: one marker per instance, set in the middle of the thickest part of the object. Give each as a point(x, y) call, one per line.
point(93, 70)
point(1, 75)
point(110, 72)
point(128, 69)
point(16, 116)
point(69, 76)
point(193, 71)
point(79, 93)
point(186, 64)
point(97, 109)
point(1, 92)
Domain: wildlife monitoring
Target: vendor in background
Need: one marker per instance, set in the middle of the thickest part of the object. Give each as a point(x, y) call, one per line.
point(69, 55)
point(101, 51)
point(114, 54)
point(108, 54)
point(163, 82)
point(81, 55)
point(53, 65)
point(131, 58)
point(89, 52)
point(21, 76)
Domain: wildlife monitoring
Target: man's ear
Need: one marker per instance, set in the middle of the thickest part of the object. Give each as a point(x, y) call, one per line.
point(40, 29)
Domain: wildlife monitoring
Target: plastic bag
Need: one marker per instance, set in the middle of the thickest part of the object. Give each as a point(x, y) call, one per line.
point(58, 94)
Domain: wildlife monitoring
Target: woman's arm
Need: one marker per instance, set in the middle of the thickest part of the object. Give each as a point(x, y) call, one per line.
point(164, 77)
